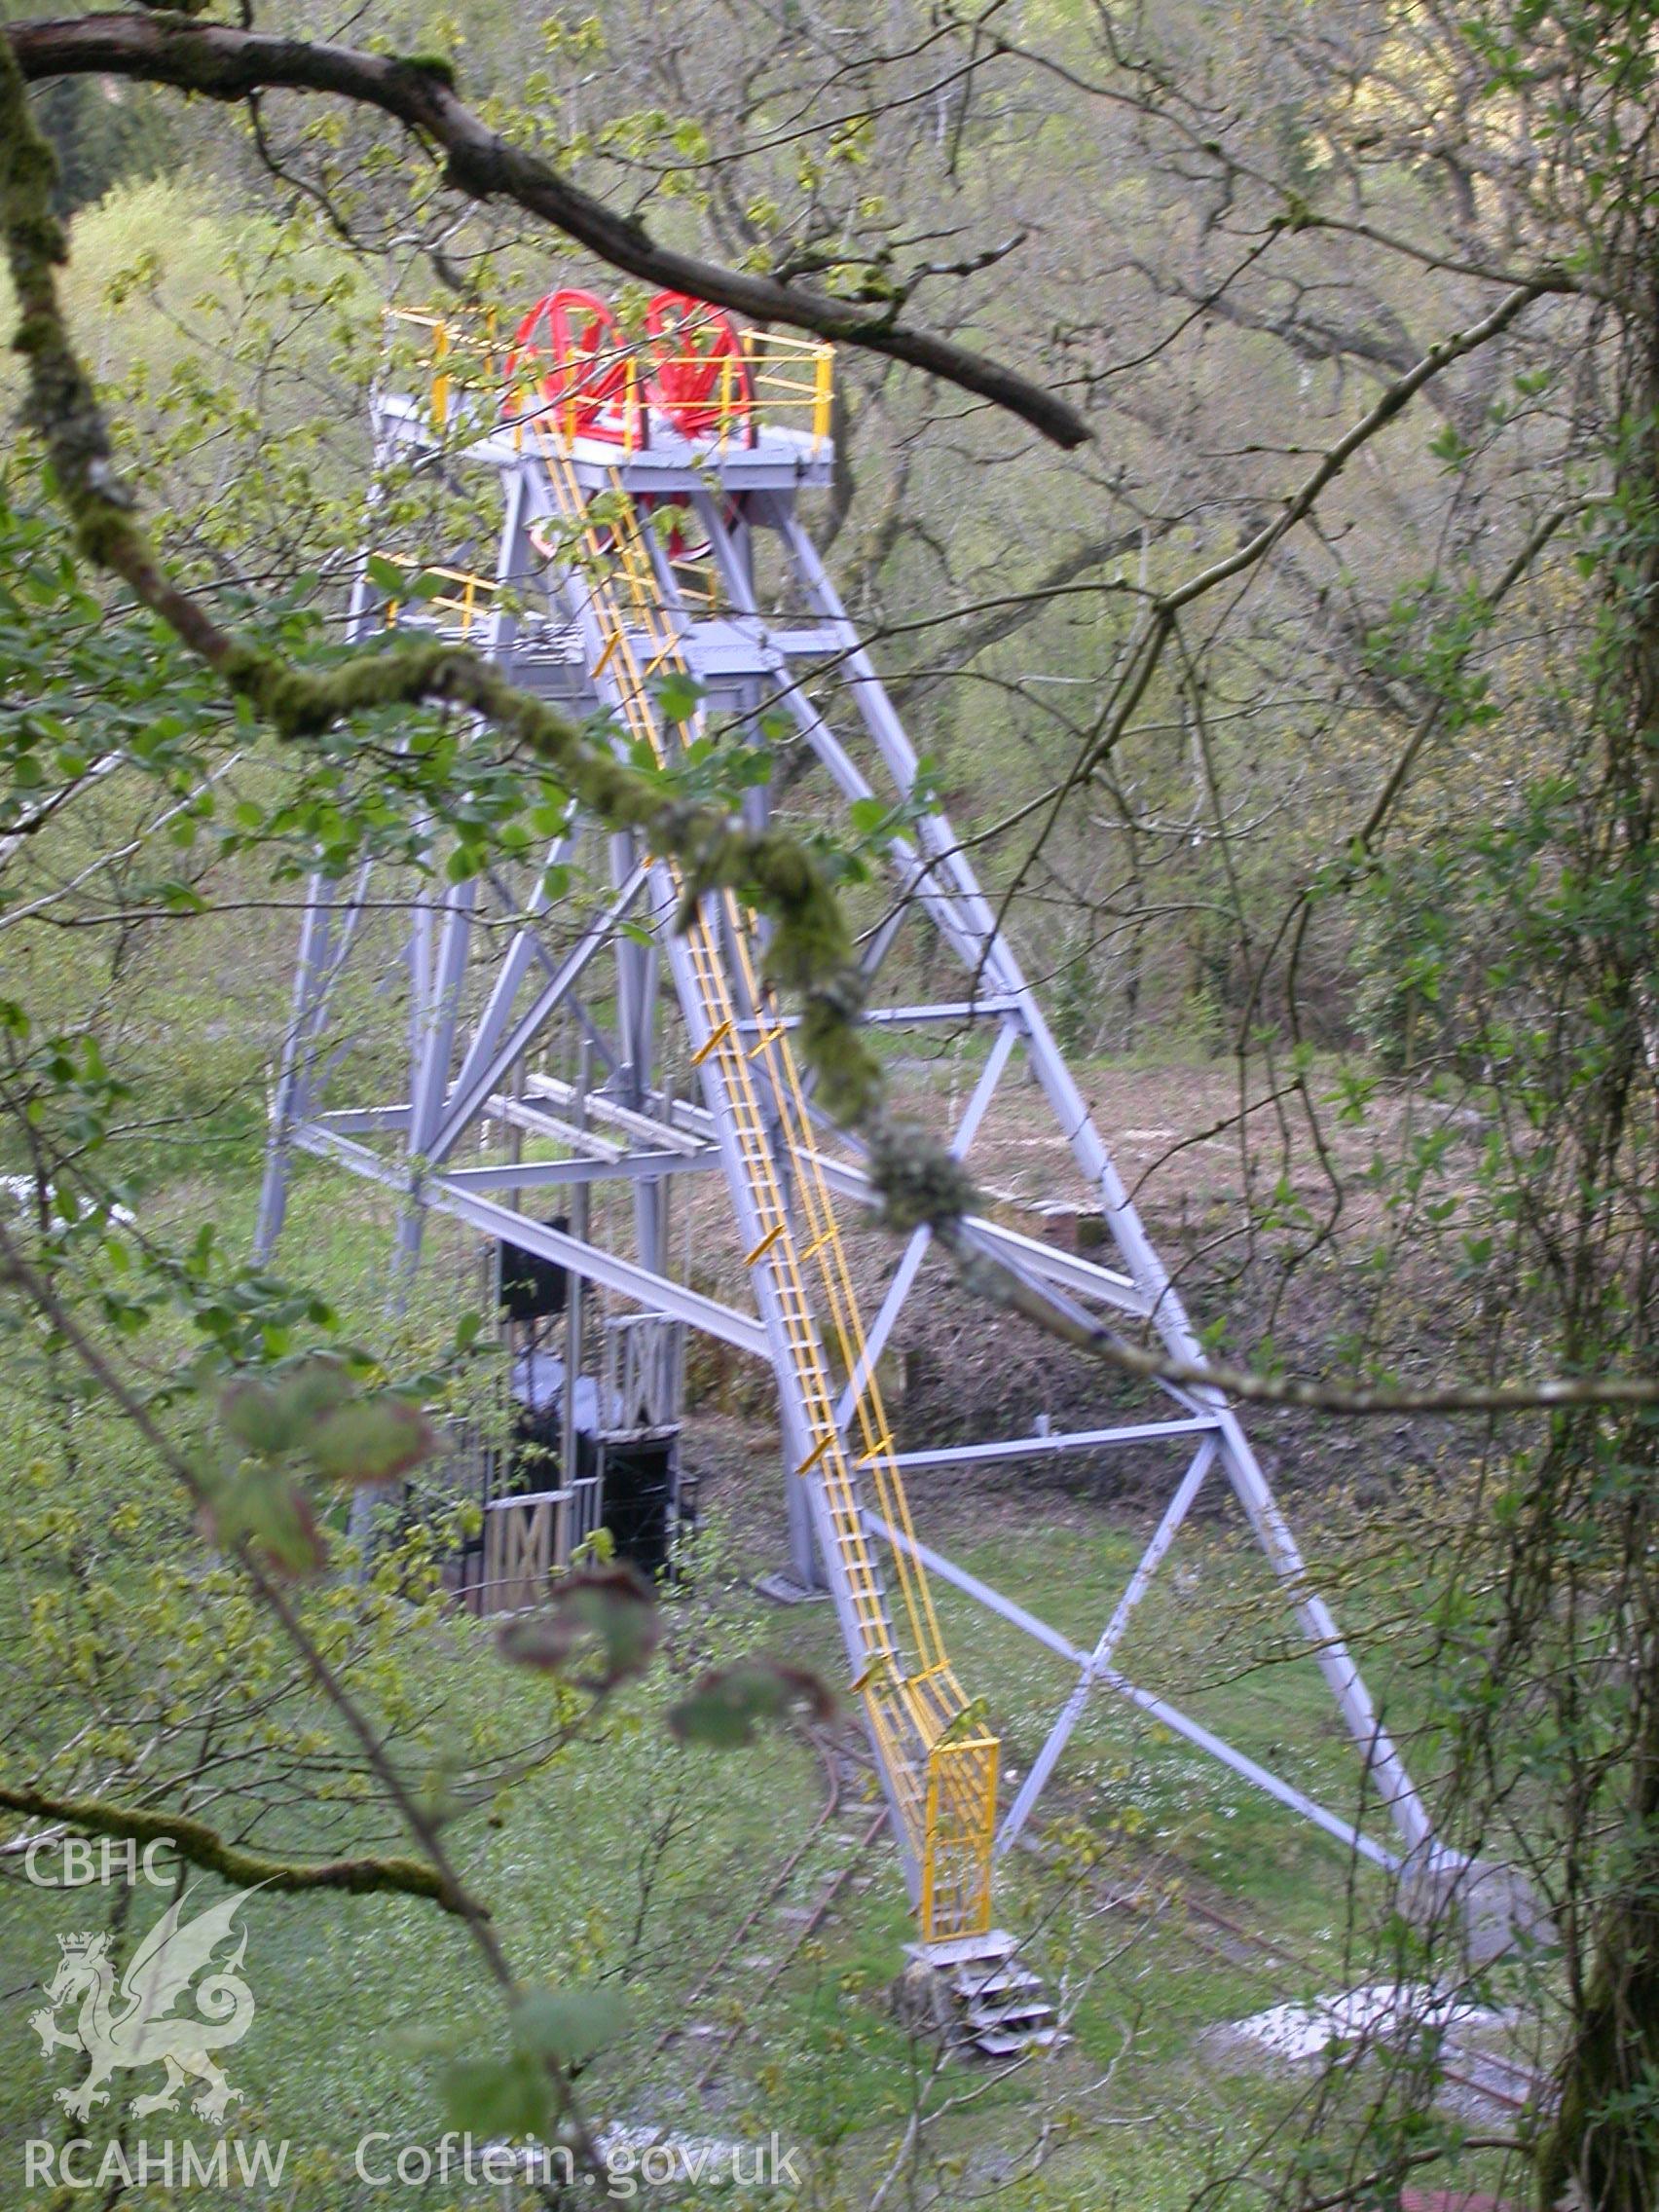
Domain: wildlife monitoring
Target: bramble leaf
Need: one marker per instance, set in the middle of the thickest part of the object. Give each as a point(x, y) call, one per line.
point(609, 1611)
point(727, 1704)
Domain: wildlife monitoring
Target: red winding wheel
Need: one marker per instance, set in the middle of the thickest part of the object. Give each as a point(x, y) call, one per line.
point(700, 376)
point(572, 344)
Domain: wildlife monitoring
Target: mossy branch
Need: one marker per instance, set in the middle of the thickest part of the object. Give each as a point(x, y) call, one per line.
point(202, 1845)
point(811, 950)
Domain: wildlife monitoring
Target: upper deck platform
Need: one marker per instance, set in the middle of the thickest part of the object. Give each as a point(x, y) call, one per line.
point(781, 458)
point(674, 399)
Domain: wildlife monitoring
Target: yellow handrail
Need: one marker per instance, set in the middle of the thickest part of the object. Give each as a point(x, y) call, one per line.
point(788, 376)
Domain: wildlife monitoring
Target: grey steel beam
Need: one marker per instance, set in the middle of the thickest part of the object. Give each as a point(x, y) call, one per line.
point(602, 1047)
point(635, 1036)
point(1251, 1770)
point(608, 1110)
point(525, 948)
point(1049, 1447)
point(959, 1577)
point(1068, 1270)
point(437, 1044)
point(830, 749)
point(364, 1121)
point(624, 1168)
point(805, 645)
point(656, 1294)
point(429, 1061)
point(465, 1103)
point(962, 1009)
point(286, 1099)
point(939, 900)
point(881, 1328)
point(536, 1121)
point(1071, 1713)
point(883, 937)
point(326, 936)
point(1158, 1708)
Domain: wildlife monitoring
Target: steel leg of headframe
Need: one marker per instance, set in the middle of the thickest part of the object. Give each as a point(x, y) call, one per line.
point(319, 966)
point(636, 1033)
point(431, 1063)
point(289, 1098)
point(993, 958)
point(326, 938)
point(811, 1548)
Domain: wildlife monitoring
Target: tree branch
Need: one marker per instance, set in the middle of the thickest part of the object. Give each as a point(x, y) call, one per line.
point(1248, 1384)
point(1394, 400)
point(1009, 615)
point(223, 64)
point(194, 1840)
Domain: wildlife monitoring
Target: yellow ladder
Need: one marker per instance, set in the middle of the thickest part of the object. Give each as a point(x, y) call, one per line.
point(940, 1768)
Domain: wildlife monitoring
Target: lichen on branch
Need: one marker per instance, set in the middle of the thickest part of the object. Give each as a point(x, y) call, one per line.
point(199, 1845)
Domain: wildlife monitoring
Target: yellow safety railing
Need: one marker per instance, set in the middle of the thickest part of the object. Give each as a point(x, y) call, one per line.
point(473, 598)
point(942, 1769)
point(791, 379)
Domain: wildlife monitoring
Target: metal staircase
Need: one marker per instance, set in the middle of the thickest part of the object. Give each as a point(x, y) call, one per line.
point(940, 1773)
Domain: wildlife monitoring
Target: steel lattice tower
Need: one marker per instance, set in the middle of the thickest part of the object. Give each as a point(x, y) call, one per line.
point(587, 604)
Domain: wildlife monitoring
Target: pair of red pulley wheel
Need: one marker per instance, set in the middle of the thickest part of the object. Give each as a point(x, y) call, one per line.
point(695, 371)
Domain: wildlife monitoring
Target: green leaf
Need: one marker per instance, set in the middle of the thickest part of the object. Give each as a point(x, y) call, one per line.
point(255, 1417)
point(678, 695)
point(371, 1440)
point(606, 1611)
point(496, 2096)
point(727, 1704)
point(386, 576)
point(570, 2025)
point(309, 1392)
point(263, 1506)
point(180, 898)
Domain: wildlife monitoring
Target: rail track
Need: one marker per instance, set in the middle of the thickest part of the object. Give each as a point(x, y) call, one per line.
point(838, 1760)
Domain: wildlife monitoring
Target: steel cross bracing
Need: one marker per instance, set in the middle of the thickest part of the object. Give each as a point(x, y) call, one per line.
point(614, 618)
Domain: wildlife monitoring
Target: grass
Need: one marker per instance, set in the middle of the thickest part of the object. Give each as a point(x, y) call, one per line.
point(634, 1861)
point(340, 1980)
